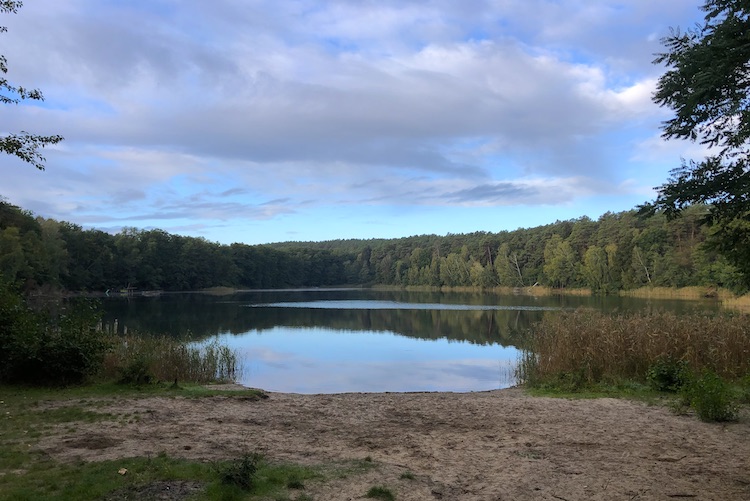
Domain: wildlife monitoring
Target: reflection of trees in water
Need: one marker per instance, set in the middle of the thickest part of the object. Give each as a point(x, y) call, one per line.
point(199, 317)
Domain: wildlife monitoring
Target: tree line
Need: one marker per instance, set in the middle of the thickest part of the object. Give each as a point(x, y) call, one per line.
point(617, 251)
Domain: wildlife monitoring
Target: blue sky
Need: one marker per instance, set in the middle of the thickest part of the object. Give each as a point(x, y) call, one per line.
point(266, 121)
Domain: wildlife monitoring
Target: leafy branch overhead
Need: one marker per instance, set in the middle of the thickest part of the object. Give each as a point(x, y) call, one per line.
point(707, 85)
point(23, 145)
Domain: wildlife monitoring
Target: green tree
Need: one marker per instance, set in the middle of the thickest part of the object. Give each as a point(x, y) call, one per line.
point(23, 144)
point(706, 85)
point(12, 258)
point(596, 269)
point(559, 261)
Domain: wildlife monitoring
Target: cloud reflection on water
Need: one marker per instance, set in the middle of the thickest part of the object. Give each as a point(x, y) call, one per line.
point(319, 360)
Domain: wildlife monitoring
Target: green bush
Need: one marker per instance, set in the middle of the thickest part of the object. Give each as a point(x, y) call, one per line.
point(42, 347)
point(378, 492)
point(712, 398)
point(240, 473)
point(668, 374)
point(137, 372)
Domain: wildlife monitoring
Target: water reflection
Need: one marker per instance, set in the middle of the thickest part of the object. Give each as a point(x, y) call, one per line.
point(396, 305)
point(317, 360)
point(343, 340)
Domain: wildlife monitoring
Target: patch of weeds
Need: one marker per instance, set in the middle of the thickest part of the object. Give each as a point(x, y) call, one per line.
point(73, 414)
point(137, 372)
point(712, 398)
point(251, 473)
point(347, 468)
point(668, 374)
point(45, 479)
point(380, 492)
point(294, 482)
point(407, 475)
point(744, 390)
point(610, 389)
point(240, 473)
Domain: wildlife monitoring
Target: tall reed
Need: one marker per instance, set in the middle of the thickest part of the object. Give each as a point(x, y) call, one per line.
point(598, 347)
point(167, 359)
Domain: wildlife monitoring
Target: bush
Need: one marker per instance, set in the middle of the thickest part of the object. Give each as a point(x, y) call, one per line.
point(378, 492)
point(668, 374)
point(712, 398)
point(42, 347)
point(240, 473)
point(137, 372)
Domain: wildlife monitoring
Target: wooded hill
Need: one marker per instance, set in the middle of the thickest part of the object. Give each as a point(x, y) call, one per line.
point(617, 251)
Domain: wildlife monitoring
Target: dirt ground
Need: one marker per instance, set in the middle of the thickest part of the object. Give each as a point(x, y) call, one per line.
point(498, 445)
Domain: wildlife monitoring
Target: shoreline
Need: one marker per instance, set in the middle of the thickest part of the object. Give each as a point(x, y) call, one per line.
point(498, 444)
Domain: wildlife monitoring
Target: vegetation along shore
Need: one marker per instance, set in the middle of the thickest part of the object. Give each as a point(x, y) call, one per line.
point(86, 414)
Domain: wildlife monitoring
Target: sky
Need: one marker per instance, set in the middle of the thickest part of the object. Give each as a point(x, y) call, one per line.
point(260, 121)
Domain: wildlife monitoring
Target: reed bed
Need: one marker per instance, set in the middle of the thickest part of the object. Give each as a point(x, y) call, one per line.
point(693, 292)
point(593, 347)
point(741, 303)
point(145, 359)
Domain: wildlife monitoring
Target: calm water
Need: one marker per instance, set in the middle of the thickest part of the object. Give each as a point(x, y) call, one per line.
point(361, 340)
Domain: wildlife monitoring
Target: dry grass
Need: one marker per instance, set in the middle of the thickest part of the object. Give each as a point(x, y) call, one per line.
point(594, 347)
point(167, 359)
point(741, 303)
point(678, 293)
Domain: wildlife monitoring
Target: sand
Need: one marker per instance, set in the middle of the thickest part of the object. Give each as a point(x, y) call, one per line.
point(497, 445)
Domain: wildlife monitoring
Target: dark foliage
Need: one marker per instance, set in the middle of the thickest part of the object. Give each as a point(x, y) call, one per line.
point(23, 145)
point(707, 85)
point(46, 347)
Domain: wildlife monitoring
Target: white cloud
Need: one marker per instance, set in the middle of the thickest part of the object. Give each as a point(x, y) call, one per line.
point(179, 110)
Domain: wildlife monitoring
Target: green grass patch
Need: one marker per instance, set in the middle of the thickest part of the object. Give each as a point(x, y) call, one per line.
point(380, 492)
point(29, 413)
point(132, 477)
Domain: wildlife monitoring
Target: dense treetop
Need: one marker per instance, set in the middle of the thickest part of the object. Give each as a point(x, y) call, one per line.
point(617, 251)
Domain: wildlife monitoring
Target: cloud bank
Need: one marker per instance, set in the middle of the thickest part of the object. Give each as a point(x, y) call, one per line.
point(224, 114)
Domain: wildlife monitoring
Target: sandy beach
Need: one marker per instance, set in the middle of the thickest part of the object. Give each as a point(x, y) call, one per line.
point(497, 445)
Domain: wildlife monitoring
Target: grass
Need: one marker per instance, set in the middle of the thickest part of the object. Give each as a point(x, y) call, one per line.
point(585, 346)
point(142, 360)
point(27, 414)
point(647, 356)
point(694, 292)
point(380, 492)
point(741, 303)
point(89, 481)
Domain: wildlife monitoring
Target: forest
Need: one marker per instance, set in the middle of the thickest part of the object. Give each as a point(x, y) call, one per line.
point(618, 251)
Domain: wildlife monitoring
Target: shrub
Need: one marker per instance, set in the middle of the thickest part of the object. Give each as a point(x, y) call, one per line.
point(668, 374)
point(240, 473)
point(42, 347)
point(378, 492)
point(712, 398)
point(136, 372)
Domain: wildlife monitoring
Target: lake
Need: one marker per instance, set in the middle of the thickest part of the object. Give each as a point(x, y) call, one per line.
point(362, 340)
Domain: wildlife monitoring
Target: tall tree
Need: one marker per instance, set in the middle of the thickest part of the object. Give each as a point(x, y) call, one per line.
point(23, 144)
point(707, 85)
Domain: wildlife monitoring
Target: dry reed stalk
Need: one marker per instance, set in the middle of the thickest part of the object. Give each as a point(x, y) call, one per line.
point(741, 303)
point(597, 346)
point(167, 359)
